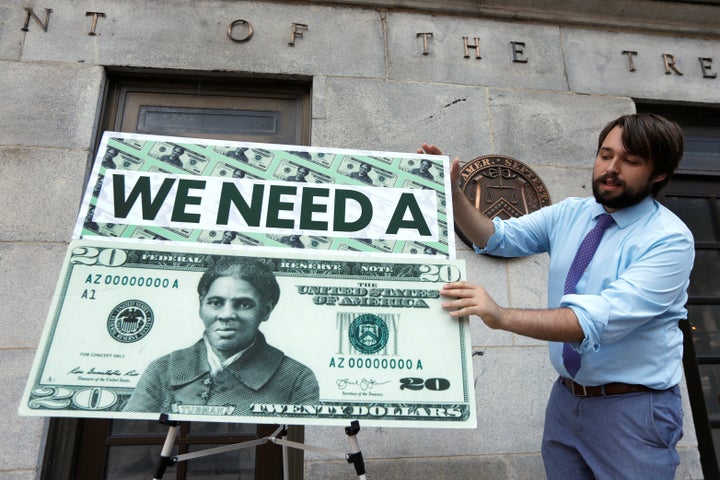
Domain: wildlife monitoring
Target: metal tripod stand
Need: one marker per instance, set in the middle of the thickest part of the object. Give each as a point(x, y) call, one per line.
point(354, 457)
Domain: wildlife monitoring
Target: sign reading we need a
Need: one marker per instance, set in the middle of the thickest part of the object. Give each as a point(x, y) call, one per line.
point(271, 196)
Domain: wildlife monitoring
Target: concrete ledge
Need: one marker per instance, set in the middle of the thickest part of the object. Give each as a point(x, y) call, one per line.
point(646, 16)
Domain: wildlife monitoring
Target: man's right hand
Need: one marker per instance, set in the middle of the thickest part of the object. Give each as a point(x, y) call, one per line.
point(426, 149)
point(476, 226)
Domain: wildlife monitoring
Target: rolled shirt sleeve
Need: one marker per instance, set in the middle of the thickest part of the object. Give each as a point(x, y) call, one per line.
point(651, 288)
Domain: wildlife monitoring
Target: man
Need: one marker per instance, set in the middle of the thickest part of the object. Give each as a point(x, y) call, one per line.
point(232, 364)
point(616, 411)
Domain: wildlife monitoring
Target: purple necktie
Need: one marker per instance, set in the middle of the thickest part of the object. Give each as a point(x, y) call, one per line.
point(585, 252)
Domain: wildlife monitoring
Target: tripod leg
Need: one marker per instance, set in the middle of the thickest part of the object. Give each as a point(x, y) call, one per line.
point(355, 456)
point(165, 459)
point(283, 432)
point(286, 470)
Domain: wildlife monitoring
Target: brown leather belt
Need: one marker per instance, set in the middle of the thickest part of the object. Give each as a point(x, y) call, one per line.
point(602, 390)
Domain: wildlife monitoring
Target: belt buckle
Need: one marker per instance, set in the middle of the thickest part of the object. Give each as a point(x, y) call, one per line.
point(583, 393)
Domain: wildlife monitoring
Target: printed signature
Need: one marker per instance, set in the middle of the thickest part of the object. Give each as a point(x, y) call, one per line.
point(107, 372)
point(364, 384)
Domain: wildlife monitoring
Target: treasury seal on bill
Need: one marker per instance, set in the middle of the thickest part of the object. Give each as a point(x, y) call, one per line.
point(368, 333)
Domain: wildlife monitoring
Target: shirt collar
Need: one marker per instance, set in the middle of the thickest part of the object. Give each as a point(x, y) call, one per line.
point(625, 217)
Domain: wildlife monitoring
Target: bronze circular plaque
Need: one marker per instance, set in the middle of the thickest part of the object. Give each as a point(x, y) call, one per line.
point(501, 186)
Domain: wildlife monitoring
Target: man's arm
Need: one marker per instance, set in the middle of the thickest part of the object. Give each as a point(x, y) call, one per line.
point(558, 325)
point(476, 226)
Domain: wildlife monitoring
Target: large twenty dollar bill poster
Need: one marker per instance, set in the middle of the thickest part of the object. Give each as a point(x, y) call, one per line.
point(173, 189)
point(139, 329)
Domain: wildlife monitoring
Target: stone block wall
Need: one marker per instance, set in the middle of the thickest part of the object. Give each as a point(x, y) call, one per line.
point(536, 91)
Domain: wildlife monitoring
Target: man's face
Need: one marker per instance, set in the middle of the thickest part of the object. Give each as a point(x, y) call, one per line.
point(232, 311)
point(621, 179)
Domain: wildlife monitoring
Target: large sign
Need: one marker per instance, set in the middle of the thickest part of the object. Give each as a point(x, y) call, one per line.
point(173, 189)
point(216, 334)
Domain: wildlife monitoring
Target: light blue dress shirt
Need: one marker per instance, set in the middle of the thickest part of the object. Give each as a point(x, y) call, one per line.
point(630, 298)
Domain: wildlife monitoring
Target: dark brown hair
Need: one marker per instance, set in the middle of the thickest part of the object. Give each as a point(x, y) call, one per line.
point(652, 137)
point(249, 269)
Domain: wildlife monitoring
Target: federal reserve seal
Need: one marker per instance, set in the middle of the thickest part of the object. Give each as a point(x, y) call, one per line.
point(501, 186)
point(368, 333)
point(130, 321)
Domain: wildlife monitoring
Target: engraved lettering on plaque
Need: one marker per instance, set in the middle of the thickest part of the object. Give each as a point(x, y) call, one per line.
point(500, 186)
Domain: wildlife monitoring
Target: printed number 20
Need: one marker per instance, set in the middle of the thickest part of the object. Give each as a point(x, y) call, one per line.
point(414, 383)
point(109, 257)
point(439, 273)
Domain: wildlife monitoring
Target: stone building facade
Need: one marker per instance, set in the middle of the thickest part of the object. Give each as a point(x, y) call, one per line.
point(535, 81)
